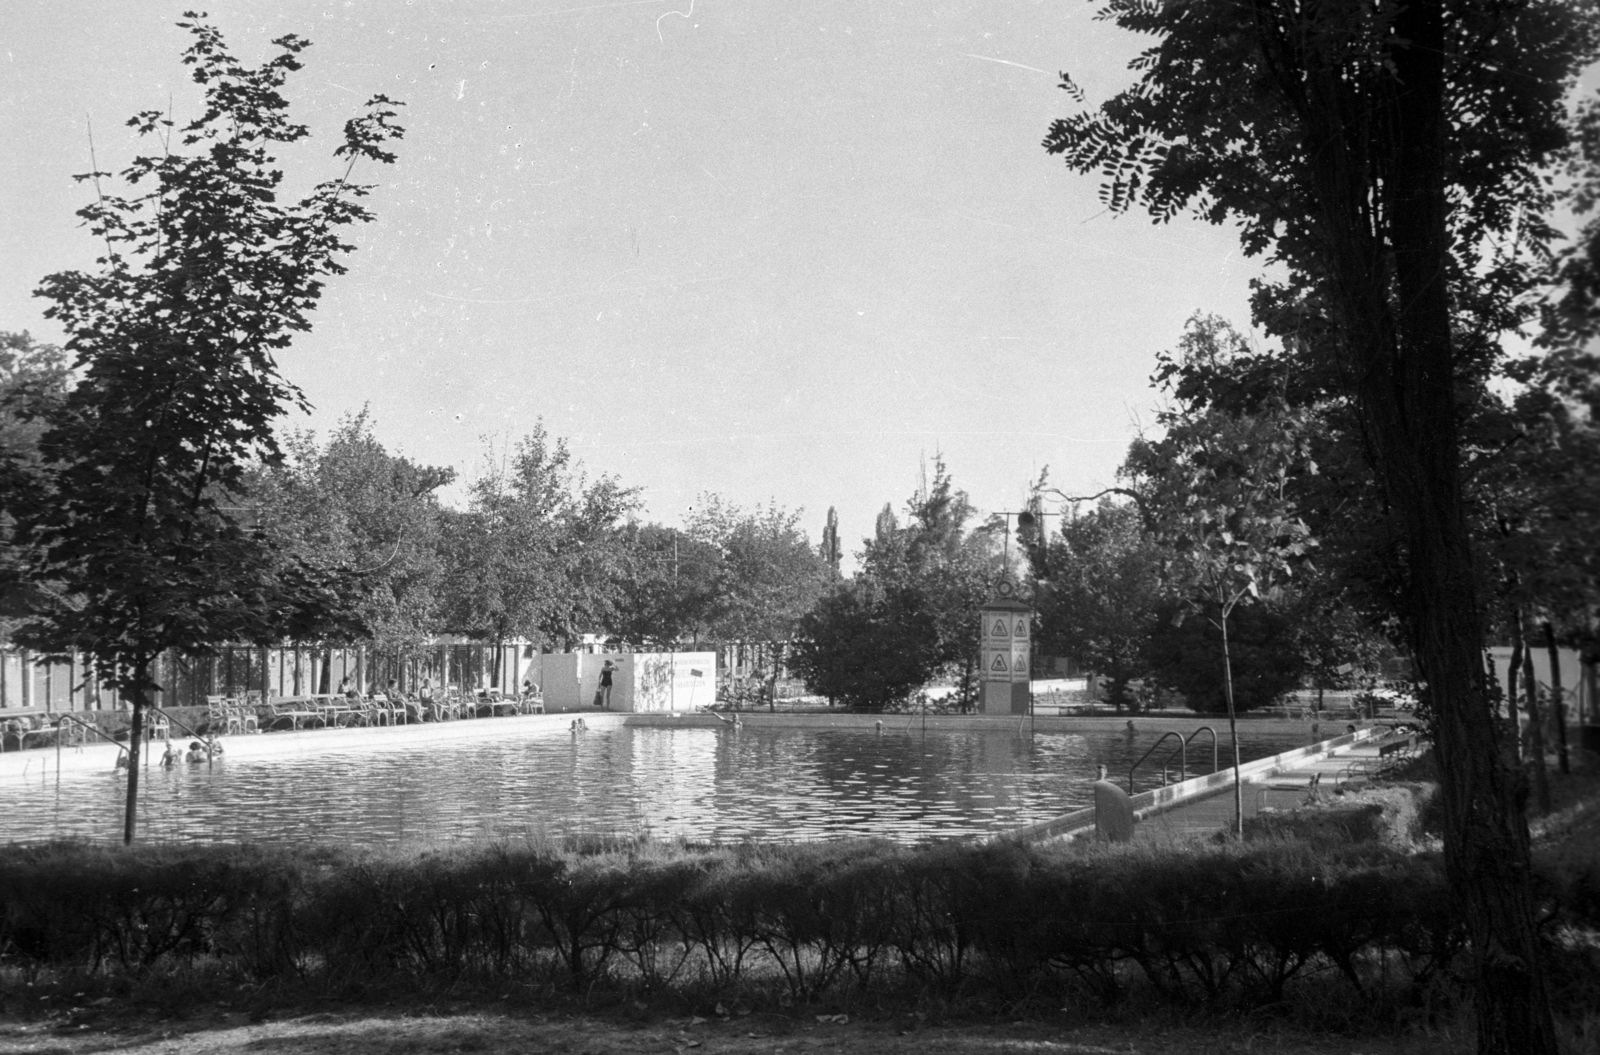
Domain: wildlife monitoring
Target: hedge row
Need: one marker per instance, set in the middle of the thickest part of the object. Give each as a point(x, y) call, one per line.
point(1231, 926)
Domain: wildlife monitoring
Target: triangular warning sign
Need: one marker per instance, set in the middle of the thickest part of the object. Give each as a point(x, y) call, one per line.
point(999, 662)
point(1022, 628)
point(999, 629)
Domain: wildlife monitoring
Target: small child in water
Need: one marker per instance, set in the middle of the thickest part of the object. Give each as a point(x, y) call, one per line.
point(171, 756)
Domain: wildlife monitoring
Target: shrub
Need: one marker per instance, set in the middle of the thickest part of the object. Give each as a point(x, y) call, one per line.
point(1225, 926)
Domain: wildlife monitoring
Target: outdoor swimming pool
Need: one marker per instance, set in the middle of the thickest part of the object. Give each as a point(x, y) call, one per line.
point(703, 784)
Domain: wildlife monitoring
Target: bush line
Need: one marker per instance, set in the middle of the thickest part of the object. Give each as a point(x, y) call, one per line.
point(1224, 926)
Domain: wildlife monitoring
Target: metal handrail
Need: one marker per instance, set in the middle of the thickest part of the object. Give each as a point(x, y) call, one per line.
point(1183, 765)
point(1213, 732)
point(1181, 752)
point(93, 728)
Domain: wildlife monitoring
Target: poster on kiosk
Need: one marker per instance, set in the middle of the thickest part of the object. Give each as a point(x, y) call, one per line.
point(1007, 636)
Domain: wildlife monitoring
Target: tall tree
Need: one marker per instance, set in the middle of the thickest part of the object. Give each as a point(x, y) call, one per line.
point(347, 504)
point(769, 575)
point(539, 551)
point(912, 611)
point(1389, 155)
point(937, 564)
point(34, 379)
point(204, 278)
point(1215, 491)
point(670, 589)
point(1099, 584)
point(867, 647)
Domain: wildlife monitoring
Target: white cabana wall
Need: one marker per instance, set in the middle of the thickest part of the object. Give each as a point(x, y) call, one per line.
point(643, 681)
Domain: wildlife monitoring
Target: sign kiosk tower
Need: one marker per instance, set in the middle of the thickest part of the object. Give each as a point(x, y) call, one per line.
point(1007, 635)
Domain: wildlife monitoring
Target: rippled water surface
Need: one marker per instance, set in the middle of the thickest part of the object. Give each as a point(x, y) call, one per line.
point(704, 784)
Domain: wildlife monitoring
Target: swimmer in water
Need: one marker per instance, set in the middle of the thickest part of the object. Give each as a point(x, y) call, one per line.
point(170, 757)
point(196, 752)
point(1131, 729)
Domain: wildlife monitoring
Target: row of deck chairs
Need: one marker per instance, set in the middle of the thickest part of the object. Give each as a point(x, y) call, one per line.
point(252, 713)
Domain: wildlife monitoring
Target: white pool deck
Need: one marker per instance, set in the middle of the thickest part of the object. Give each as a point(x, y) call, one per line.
point(39, 764)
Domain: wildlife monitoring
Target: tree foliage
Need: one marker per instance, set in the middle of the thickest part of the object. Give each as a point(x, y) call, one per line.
point(204, 277)
point(768, 574)
point(1392, 157)
point(34, 379)
point(865, 648)
point(538, 551)
point(1265, 650)
point(1099, 587)
point(346, 504)
point(671, 589)
point(911, 613)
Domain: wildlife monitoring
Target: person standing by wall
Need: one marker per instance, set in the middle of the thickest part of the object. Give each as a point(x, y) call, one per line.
point(604, 694)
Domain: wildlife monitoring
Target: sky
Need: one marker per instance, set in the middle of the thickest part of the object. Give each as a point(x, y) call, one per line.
point(781, 252)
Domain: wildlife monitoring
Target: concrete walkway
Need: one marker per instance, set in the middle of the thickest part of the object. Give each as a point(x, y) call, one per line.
point(1281, 789)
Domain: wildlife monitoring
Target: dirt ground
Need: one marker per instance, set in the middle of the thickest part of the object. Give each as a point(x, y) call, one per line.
point(368, 1032)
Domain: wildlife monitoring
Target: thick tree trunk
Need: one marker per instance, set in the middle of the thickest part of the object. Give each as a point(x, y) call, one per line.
point(1558, 703)
point(1405, 369)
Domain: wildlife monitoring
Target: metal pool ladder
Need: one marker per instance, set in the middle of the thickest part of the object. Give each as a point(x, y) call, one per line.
point(1182, 751)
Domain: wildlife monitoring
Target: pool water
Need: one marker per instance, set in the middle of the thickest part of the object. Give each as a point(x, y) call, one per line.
point(720, 785)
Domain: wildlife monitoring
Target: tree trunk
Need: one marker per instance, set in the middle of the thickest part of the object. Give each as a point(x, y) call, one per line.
point(130, 812)
point(777, 658)
point(1233, 729)
point(1541, 777)
point(1513, 681)
point(1405, 386)
point(1558, 703)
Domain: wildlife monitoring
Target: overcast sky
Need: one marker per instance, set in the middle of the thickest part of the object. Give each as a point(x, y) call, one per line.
point(778, 251)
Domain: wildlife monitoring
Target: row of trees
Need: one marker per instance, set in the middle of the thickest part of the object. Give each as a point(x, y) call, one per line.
point(538, 550)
